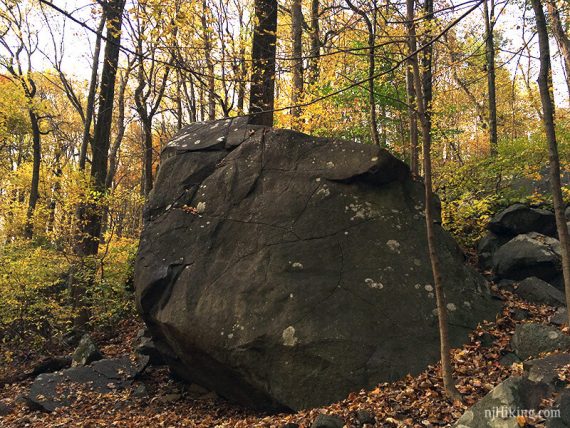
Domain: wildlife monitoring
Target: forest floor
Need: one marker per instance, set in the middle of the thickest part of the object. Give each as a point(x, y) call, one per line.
point(416, 401)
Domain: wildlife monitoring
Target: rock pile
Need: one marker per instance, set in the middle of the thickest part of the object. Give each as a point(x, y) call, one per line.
point(521, 245)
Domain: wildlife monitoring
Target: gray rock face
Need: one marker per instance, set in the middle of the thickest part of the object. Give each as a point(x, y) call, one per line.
point(285, 271)
point(487, 247)
point(498, 408)
point(560, 317)
point(531, 339)
point(53, 390)
point(528, 255)
point(545, 369)
point(536, 290)
point(85, 353)
point(518, 219)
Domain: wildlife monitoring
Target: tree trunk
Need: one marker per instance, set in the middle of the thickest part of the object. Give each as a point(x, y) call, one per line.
point(413, 121)
point(90, 108)
point(262, 95)
point(34, 187)
point(490, 57)
point(209, 63)
point(114, 152)
point(90, 215)
point(371, 27)
point(297, 54)
point(147, 130)
point(446, 367)
point(547, 100)
point(560, 36)
point(315, 37)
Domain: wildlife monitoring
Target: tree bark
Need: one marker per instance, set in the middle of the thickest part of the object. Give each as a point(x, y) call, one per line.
point(91, 214)
point(446, 367)
point(35, 184)
point(491, 87)
point(560, 36)
point(209, 63)
point(547, 101)
point(412, 121)
point(315, 36)
point(262, 95)
point(371, 27)
point(90, 107)
point(297, 54)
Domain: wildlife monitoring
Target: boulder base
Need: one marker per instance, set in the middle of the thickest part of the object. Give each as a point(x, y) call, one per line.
point(284, 271)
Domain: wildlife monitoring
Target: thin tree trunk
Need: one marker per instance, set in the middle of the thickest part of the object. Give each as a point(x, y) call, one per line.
point(209, 63)
point(90, 108)
point(35, 184)
point(446, 367)
point(315, 49)
point(412, 121)
point(147, 130)
point(262, 92)
point(371, 27)
point(547, 99)
point(114, 152)
point(90, 220)
point(560, 36)
point(491, 87)
point(297, 54)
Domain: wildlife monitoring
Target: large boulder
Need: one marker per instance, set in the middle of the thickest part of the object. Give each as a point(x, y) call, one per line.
point(284, 271)
point(519, 218)
point(531, 254)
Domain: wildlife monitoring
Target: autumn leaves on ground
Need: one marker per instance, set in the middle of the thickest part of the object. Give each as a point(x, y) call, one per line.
point(413, 401)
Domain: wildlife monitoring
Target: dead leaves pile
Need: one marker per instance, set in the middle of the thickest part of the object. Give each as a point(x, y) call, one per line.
point(415, 401)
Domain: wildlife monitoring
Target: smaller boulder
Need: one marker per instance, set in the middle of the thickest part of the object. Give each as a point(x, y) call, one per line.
point(5, 409)
point(560, 317)
point(487, 247)
point(546, 369)
point(498, 408)
point(532, 339)
point(52, 390)
point(85, 353)
point(147, 349)
point(562, 405)
point(364, 417)
point(509, 359)
point(519, 218)
point(528, 255)
point(536, 290)
point(327, 421)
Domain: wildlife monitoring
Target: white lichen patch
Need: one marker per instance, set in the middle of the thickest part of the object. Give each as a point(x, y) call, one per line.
point(297, 266)
point(288, 336)
point(467, 304)
point(451, 307)
point(553, 335)
point(361, 211)
point(373, 284)
point(393, 245)
point(201, 207)
point(197, 142)
point(330, 164)
point(374, 159)
point(417, 286)
point(428, 287)
point(324, 191)
point(417, 262)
